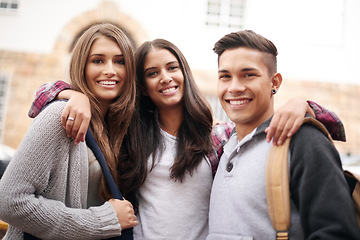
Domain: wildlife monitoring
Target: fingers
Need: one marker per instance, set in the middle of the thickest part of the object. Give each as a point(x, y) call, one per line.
point(286, 121)
point(282, 127)
point(72, 126)
point(125, 213)
point(76, 117)
point(279, 128)
point(132, 222)
point(64, 116)
point(283, 131)
point(81, 132)
point(295, 127)
point(68, 121)
point(76, 127)
point(272, 128)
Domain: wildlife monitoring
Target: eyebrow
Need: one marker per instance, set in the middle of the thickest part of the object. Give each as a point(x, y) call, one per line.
point(242, 70)
point(150, 68)
point(172, 62)
point(100, 55)
point(222, 71)
point(169, 63)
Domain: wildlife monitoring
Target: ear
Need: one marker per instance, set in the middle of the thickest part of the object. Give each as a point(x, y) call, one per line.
point(276, 81)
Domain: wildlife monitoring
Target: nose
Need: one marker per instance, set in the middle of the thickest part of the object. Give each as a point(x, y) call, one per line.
point(236, 86)
point(165, 77)
point(109, 69)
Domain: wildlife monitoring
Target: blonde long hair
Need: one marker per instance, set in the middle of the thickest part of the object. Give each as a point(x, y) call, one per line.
point(108, 132)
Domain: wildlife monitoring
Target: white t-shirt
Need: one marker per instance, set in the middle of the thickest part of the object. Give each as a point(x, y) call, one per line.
point(171, 209)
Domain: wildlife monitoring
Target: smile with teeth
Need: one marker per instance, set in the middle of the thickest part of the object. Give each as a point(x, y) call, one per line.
point(107, 82)
point(168, 90)
point(239, 102)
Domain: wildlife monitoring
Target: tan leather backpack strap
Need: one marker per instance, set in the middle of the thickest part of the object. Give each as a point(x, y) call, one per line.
point(355, 193)
point(277, 189)
point(277, 183)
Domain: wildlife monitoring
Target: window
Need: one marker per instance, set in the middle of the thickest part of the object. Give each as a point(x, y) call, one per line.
point(9, 6)
point(4, 87)
point(225, 13)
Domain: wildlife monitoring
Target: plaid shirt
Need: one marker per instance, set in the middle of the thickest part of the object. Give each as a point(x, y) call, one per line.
point(45, 94)
point(221, 132)
point(330, 120)
point(220, 135)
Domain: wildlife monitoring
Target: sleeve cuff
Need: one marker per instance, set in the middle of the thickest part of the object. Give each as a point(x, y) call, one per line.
point(45, 94)
point(330, 120)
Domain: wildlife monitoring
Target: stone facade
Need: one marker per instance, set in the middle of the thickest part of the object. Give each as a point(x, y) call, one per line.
point(342, 99)
point(28, 71)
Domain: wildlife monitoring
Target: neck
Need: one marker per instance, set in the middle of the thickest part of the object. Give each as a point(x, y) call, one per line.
point(171, 119)
point(245, 128)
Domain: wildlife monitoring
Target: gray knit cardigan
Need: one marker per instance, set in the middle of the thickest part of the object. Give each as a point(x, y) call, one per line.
point(45, 187)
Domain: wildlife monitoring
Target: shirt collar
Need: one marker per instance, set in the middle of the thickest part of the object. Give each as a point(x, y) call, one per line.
point(234, 145)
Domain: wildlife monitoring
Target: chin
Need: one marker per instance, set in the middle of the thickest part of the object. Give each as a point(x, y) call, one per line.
point(236, 118)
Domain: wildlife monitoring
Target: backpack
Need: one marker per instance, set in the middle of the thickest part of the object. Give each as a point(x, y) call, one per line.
point(277, 184)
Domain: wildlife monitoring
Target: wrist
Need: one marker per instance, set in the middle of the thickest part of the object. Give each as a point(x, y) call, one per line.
point(65, 94)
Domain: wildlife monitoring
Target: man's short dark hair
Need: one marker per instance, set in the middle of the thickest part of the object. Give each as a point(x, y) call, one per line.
point(249, 39)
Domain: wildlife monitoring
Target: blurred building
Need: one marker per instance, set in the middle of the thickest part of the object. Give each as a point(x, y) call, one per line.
point(318, 43)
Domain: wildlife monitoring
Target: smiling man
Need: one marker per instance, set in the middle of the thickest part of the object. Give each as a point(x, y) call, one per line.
point(321, 206)
point(243, 78)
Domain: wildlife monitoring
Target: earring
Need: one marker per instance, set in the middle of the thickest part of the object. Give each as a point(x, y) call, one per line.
point(273, 91)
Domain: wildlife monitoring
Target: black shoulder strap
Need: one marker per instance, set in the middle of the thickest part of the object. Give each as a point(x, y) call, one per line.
point(92, 144)
point(126, 234)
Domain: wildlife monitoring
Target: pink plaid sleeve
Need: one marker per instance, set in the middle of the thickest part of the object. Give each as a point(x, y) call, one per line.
point(330, 120)
point(220, 135)
point(45, 94)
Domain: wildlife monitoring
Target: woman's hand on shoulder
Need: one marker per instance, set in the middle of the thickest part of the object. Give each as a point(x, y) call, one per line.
point(287, 120)
point(76, 115)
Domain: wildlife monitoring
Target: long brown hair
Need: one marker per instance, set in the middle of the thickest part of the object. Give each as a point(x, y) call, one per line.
point(108, 132)
point(145, 139)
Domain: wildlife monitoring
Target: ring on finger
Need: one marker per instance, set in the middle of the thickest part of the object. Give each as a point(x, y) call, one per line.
point(71, 119)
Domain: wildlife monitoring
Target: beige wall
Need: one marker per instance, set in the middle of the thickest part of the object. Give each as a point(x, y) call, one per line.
point(29, 70)
point(342, 99)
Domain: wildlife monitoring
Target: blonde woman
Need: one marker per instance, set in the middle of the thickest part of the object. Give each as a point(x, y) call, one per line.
point(53, 189)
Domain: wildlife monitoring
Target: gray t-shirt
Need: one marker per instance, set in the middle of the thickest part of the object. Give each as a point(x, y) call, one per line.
point(171, 209)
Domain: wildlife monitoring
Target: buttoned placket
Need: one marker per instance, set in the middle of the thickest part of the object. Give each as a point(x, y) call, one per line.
point(230, 164)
